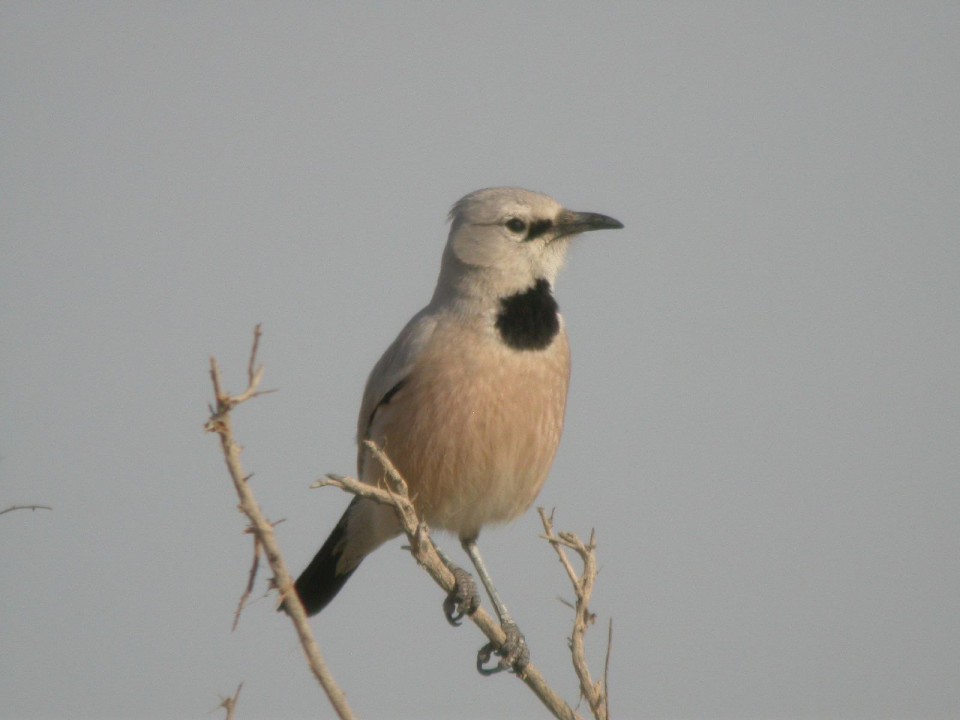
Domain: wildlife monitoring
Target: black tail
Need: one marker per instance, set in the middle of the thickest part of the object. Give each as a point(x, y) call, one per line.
point(321, 581)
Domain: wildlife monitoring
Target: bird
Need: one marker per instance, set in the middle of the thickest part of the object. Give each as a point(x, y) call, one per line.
point(468, 402)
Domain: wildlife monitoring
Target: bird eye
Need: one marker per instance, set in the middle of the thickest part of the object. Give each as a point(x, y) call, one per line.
point(516, 225)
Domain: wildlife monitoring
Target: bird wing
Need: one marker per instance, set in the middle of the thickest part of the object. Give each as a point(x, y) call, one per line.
point(391, 372)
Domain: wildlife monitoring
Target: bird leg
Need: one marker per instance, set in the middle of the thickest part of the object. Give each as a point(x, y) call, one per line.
point(464, 599)
point(514, 654)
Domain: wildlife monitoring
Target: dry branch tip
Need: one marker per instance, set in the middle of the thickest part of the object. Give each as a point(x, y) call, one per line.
point(25, 507)
point(264, 537)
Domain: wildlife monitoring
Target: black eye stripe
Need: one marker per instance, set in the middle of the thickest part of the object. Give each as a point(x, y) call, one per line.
point(535, 230)
point(538, 228)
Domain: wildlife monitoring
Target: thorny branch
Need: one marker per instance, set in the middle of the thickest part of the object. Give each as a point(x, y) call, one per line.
point(220, 422)
point(425, 553)
point(230, 704)
point(595, 693)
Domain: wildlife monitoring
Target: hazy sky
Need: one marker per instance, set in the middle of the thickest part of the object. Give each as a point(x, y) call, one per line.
point(764, 420)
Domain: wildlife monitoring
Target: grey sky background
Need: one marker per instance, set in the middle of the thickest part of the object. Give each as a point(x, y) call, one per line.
point(764, 420)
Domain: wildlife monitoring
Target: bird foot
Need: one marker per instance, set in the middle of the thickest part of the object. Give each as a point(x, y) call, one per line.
point(463, 599)
point(514, 654)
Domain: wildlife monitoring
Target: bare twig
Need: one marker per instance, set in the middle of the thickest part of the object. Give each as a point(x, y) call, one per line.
point(594, 693)
point(251, 579)
point(230, 704)
point(425, 552)
point(220, 423)
point(25, 507)
point(606, 670)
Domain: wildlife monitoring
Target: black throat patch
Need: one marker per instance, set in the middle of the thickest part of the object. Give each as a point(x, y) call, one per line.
point(529, 320)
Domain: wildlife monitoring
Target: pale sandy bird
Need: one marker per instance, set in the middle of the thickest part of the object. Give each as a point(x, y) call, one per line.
point(468, 402)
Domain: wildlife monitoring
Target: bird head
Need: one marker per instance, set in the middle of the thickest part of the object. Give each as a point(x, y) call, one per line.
point(505, 239)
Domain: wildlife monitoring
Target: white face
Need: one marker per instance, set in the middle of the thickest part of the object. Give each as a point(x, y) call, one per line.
point(511, 232)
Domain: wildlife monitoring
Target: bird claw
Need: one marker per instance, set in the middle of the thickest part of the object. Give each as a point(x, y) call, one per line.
point(463, 599)
point(514, 654)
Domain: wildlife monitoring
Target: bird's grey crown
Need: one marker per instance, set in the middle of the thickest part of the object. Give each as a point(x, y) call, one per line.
point(489, 204)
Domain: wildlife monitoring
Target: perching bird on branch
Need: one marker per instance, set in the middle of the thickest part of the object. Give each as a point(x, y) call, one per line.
point(468, 401)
